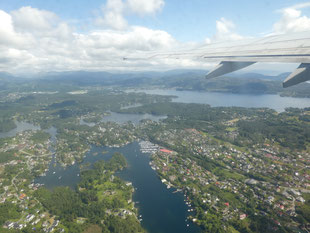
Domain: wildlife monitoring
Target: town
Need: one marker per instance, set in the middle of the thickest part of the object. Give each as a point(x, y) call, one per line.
point(235, 174)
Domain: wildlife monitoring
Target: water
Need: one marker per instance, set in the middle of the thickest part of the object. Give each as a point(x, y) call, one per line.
point(122, 118)
point(58, 175)
point(216, 99)
point(20, 127)
point(161, 209)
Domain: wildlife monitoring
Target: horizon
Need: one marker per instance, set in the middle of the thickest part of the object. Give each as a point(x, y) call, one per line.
point(51, 36)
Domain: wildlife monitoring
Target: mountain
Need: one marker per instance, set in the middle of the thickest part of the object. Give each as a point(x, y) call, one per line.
point(181, 79)
point(259, 76)
point(5, 80)
point(5, 76)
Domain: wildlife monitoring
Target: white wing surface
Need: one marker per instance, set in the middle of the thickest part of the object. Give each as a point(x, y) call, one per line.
point(288, 48)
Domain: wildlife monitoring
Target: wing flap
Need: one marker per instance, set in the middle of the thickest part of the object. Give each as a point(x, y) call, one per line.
point(226, 67)
point(301, 74)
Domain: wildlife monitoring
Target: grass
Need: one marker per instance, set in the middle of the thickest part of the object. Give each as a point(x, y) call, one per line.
point(93, 229)
point(231, 129)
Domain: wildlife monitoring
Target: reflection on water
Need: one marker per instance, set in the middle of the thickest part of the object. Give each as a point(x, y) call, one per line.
point(216, 99)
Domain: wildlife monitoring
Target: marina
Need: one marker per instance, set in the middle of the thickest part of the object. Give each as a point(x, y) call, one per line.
point(148, 147)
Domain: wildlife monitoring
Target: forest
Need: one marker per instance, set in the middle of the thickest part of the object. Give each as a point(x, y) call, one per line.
point(252, 125)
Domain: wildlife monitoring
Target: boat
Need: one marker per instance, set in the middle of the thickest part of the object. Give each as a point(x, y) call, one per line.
point(59, 177)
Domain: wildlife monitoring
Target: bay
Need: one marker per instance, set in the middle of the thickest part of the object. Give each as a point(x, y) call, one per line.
point(162, 210)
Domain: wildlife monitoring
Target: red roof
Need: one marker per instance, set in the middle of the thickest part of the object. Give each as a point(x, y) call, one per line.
point(166, 151)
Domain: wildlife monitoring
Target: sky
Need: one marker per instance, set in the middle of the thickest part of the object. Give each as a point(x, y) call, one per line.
point(55, 35)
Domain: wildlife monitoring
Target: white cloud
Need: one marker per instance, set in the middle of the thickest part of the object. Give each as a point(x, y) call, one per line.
point(225, 31)
point(114, 11)
point(113, 15)
point(33, 40)
point(6, 28)
point(32, 19)
point(135, 39)
point(292, 20)
point(145, 7)
point(9, 36)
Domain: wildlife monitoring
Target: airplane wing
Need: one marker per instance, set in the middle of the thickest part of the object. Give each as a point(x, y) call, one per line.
point(288, 48)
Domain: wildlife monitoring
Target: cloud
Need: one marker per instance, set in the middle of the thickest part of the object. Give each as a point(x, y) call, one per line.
point(6, 28)
point(34, 40)
point(114, 11)
point(9, 36)
point(32, 19)
point(225, 31)
point(113, 15)
point(292, 20)
point(145, 7)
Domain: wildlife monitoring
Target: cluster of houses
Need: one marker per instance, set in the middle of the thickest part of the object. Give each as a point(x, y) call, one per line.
point(261, 160)
point(32, 157)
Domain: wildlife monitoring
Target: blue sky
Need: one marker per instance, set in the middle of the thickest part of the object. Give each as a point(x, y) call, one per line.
point(185, 20)
point(84, 32)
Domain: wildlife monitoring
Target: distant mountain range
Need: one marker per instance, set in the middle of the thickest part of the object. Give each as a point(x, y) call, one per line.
point(182, 79)
point(77, 76)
